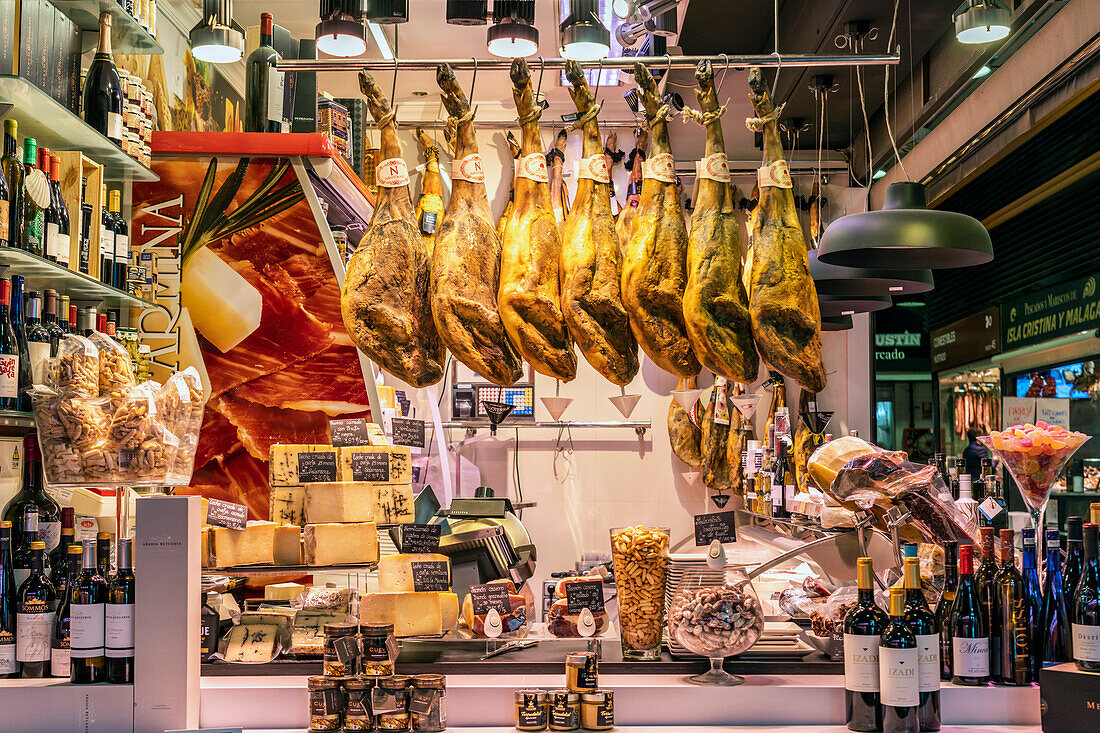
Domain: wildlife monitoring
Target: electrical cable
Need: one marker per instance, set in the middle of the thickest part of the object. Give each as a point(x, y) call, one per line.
point(886, 97)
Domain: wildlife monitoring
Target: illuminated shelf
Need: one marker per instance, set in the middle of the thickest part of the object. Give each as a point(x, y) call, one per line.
point(40, 273)
point(56, 127)
point(127, 34)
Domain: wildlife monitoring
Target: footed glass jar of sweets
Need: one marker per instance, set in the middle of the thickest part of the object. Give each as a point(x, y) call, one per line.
point(428, 703)
point(324, 703)
point(531, 710)
point(391, 702)
point(357, 703)
point(376, 654)
point(598, 710)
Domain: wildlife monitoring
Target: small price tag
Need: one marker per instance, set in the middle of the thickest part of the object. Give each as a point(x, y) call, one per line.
point(490, 597)
point(420, 538)
point(352, 432)
point(316, 468)
point(990, 508)
point(372, 466)
point(408, 432)
point(346, 648)
point(721, 526)
point(227, 514)
point(584, 594)
point(429, 222)
point(431, 576)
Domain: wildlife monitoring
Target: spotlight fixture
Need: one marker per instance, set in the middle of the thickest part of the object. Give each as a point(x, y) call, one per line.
point(386, 11)
point(217, 39)
point(674, 101)
point(513, 33)
point(982, 21)
point(906, 235)
point(624, 8)
point(341, 31)
point(467, 12)
point(634, 100)
point(583, 37)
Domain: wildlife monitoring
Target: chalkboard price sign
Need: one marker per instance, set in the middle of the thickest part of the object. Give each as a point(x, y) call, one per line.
point(226, 514)
point(490, 596)
point(349, 432)
point(584, 594)
point(374, 466)
point(719, 526)
point(408, 432)
point(431, 575)
point(420, 538)
point(315, 468)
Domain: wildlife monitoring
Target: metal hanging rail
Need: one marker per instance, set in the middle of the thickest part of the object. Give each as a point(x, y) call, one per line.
point(794, 61)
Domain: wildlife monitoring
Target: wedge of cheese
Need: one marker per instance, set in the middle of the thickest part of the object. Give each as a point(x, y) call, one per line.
point(294, 465)
point(288, 545)
point(204, 546)
point(253, 642)
point(340, 544)
point(307, 639)
point(287, 505)
point(412, 614)
point(283, 591)
point(359, 501)
point(362, 463)
point(448, 605)
point(395, 572)
point(253, 545)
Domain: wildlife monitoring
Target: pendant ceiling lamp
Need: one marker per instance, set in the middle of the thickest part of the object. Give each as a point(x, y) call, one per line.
point(982, 21)
point(386, 11)
point(836, 323)
point(513, 33)
point(341, 31)
point(847, 305)
point(217, 39)
point(906, 235)
point(836, 280)
point(583, 36)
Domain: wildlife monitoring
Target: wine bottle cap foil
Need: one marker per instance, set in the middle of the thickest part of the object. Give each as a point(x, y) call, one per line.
point(31, 452)
point(1073, 527)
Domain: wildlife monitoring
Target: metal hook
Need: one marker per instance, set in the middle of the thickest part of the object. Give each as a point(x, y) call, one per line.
point(393, 87)
point(778, 68)
point(542, 68)
point(668, 67)
point(722, 81)
point(473, 81)
point(599, 78)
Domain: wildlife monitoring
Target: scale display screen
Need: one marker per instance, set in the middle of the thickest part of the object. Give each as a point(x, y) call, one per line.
point(521, 398)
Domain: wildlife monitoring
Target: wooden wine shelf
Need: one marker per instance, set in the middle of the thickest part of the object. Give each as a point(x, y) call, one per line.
point(127, 34)
point(40, 273)
point(55, 127)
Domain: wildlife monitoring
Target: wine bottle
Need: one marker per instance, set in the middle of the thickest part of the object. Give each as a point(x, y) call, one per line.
point(263, 110)
point(5, 189)
point(987, 593)
point(85, 250)
point(9, 352)
point(32, 214)
point(1033, 602)
point(1086, 606)
point(863, 627)
point(50, 217)
point(944, 603)
point(121, 595)
point(925, 629)
point(88, 598)
point(1011, 617)
point(106, 240)
point(1053, 620)
point(34, 617)
point(992, 512)
point(33, 493)
point(103, 98)
point(37, 339)
point(18, 323)
point(63, 314)
point(74, 318)
point(1094, 512)
point(122, 241)
point(9, 667)
point(26, 534)
point(62, 213)
point(965, 503)
point(61, 641)
point(783, 473)
point(103, 555)
point(898, 670)
point(58, 561)
point(49, 320)
point(969, 627)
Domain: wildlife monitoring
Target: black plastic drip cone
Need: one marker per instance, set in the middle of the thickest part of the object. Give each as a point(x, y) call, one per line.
point(817, 420)
point(496, 411)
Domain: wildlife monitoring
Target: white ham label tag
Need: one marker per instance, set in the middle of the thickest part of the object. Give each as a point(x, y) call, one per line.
point(660, 167)
point(533, 167)
point(776, 175)
point(715, 167)
point(595, 168)
point(392, 173)
point(468, 169)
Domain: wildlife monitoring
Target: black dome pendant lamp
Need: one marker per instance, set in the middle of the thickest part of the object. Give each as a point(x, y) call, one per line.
point(906, 235)
point(846, 305)
point(836, 280)
point(836, 323)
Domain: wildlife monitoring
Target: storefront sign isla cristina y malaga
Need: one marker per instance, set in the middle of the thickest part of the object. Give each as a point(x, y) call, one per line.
point(1055, 311)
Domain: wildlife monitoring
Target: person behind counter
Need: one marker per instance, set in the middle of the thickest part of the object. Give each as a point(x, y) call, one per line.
point(973, 454)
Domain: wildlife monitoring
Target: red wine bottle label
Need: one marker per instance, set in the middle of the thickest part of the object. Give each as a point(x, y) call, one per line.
point(60, 659)
point(50, 533)
point(9, 375)
point(1086, 643)
point(898, 676)
point(970, 656)
point(51, 239)
point(8, 665)
point(861, 662)
point(928, 662)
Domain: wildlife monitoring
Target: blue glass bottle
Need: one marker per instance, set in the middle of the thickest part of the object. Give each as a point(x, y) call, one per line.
point(1033, 602)
point(1055, 622)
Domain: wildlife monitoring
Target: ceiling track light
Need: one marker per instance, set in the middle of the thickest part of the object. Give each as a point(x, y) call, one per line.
point(341, 31)
point(386, 11)
point(982, 21)
point(513, 33)
point(467, 12)
point(583, 36)
point(217, 39)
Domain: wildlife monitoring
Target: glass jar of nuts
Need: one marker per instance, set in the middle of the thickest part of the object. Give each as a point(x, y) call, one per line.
point(640, 558)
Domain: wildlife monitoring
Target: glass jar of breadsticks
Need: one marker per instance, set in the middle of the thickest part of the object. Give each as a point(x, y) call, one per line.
point(640, 558)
